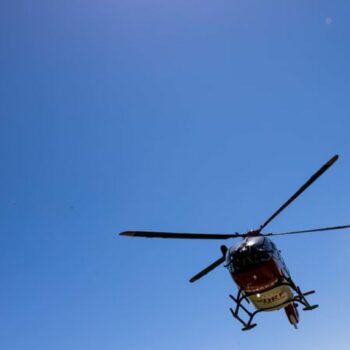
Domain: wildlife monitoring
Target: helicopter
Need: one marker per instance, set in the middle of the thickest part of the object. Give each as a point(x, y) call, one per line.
point(256, 266)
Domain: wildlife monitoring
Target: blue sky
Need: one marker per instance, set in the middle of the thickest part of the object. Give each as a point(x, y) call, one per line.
point(198, 116)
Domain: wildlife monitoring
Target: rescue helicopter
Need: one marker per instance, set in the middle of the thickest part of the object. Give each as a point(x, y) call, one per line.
point(256, 266)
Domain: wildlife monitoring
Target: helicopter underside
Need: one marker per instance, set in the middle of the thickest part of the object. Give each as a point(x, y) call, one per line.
point(273, 299)
point(265, 286)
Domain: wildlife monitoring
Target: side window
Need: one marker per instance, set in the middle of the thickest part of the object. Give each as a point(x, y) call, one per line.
point(268, 245)
point(275, 250)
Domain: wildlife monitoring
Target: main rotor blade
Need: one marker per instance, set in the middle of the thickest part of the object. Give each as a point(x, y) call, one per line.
point(313, 178)
point(150, 234)
point(208, 269)
point(307, 231)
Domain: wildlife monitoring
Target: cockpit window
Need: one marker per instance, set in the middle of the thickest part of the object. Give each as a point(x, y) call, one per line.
point(249, 255)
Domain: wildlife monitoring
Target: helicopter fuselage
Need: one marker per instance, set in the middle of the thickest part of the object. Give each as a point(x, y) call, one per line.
point(257, 267)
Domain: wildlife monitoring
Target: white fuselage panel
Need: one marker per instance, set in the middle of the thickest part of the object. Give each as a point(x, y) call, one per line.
point(272, 299)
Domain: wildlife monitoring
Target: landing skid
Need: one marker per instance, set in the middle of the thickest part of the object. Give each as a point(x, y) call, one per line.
point(242, 296)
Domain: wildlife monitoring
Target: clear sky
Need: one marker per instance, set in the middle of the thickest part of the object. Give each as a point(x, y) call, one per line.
point(186, 115)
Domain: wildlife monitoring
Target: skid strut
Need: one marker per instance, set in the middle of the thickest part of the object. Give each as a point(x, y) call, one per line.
point(235, 313)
